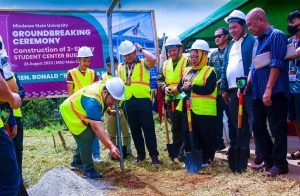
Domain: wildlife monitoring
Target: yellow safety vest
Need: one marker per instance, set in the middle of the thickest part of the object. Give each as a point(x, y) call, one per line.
point(72, 111)
point(81, 81)
point(140, 80)
point(1, 123)
point(105, 77)
point(203, 104)
point(172, 77)
point(17, 112)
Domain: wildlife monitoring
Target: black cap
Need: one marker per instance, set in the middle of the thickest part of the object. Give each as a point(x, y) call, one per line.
point(108, 60)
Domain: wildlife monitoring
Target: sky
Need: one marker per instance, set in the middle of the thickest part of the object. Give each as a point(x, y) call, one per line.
point(172, 17)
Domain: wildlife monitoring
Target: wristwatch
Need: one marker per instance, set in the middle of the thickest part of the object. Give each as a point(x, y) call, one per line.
point(140, 49)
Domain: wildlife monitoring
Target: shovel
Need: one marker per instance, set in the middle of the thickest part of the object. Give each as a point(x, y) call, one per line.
point(170, 147)
point(238, 156)
point(193, 159)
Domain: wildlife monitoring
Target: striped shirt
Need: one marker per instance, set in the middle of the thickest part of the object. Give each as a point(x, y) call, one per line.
point(275, 42)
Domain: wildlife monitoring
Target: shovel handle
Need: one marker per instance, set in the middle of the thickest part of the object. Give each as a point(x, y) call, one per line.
point(240, 111)
point(189, 116)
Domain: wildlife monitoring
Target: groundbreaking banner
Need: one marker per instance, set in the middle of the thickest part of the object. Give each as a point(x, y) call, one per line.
point(42, 46)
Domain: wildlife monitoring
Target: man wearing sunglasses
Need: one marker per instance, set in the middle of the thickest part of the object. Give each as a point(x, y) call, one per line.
point(216, 61)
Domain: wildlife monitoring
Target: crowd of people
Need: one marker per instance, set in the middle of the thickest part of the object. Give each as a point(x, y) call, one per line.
point(205, 82)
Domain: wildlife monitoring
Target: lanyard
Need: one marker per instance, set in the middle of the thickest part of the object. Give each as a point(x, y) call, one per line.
point(129, 71)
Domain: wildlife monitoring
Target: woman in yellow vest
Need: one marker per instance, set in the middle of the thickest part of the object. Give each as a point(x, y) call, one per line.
point(82, 113)
point(199, 83)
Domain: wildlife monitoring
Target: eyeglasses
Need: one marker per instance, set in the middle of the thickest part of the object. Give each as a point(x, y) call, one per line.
point(218, 36)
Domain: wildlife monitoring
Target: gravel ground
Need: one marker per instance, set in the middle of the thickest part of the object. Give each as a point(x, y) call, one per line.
point(61, 181)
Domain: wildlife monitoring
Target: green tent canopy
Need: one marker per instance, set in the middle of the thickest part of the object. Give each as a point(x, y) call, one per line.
point(276, 10)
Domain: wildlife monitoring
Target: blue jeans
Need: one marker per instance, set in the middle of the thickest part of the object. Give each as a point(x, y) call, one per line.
point(96, 148)
point(9, 172)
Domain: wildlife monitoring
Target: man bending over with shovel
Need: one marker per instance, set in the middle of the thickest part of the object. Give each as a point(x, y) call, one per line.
point(82, 114)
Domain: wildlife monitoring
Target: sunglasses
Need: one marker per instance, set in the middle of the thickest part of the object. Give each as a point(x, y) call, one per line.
point(218, 36)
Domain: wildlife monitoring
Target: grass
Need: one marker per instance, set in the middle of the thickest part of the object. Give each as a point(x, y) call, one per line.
point(169, 179)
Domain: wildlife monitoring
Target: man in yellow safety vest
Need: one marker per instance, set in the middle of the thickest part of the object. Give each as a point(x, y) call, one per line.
point(82, 113)
point(169, 78)
point(137, 105)
point(79, 77)
point(110, 116)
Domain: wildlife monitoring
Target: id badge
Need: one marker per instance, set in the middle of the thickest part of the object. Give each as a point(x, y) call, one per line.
point(292, 75)
point(128, 81)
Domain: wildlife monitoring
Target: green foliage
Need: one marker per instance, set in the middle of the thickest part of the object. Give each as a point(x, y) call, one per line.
point(39, 113)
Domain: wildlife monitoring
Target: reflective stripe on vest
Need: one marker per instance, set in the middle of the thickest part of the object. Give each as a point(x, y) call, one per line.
point(204, 104)
point(140, 81)
point(17, 112)
point(81, 81)
point(72, 111)
point(172, 78)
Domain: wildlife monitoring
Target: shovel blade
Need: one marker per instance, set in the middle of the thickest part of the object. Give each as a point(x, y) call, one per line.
point(193, 161)
point(238, 159)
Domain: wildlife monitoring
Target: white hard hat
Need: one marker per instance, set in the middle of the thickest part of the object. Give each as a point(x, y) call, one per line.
point(236, 14)
point(84, 52)
point(116, 88)
point(200, 44)
point(126, 47)
point(173, 41)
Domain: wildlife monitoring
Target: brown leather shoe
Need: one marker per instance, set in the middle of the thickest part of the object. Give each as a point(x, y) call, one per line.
point(275, 171)
point(262, 167)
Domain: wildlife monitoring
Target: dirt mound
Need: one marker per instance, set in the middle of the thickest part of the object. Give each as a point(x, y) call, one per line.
point(61, 181)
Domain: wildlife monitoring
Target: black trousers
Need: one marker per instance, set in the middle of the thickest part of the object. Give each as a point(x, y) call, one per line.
point(9, 172)
point(221, 107)
point(138, 112)
point(204, 135)
point(233, 106)
point(273, 153)
point(177, 129)
point(18, 140)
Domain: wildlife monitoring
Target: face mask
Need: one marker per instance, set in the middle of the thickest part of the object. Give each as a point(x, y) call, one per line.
point(292, 29)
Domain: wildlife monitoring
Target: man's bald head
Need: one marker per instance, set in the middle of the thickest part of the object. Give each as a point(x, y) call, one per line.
point(257, 13)
point(257, 21)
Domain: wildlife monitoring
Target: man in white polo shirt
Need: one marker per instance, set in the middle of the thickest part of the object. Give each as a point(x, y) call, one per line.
point(237, 62)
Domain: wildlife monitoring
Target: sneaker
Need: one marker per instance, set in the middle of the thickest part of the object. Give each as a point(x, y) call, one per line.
point(76, 166)
point(222, 147)
point(258, 159)
point(205, 165)
point(98, 160)
point(92, 174)
point(275, 171)
point(176, 161)
point(155, 162)
point(138, 159)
